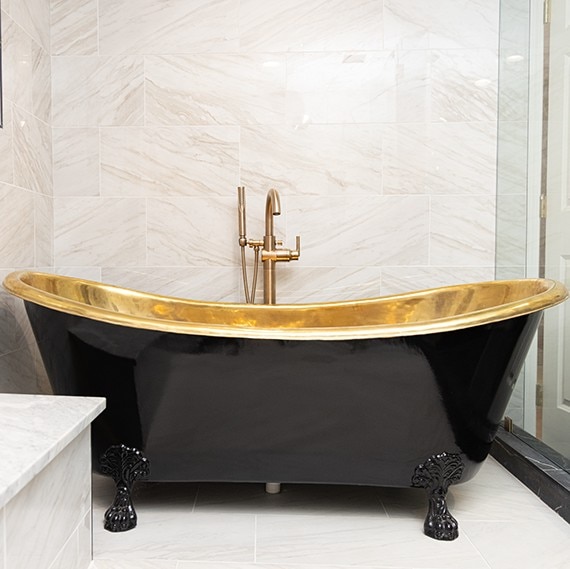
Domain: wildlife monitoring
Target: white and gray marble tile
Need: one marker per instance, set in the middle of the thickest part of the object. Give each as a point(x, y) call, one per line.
point(416, 24)
point(464, 85)
point(512, 157)
point(17, 230)
point(297, 283)
point(226, 89)
point(186, 536)
point(462, 230)
point(37, 429)
point(364, 541)
point(372, 231)
point(76, 552)
point(440, 158)
point(32, 152)
point(6, 145)
point(26, 70)
point(64, 485)
point(405, 279)
point(511, 230)
point(14, 326)
point(544, 546)
point(34, 17)
point(319, 160)
point(18, 372)
point(179, 231)
point(168, 27)
point(298, 499)
point(98, 91)
point(144, 564)
point(99, 231)
point(219, 284)
point(43, 230)
point(76, 162)
point(365, 87)
point(74, 27)
point(162, 161)
point(310, 25)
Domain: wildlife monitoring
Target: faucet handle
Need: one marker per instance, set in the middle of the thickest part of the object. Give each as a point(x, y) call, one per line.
point(297, 252)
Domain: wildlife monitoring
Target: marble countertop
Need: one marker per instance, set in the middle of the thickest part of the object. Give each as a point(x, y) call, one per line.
point(33, 430)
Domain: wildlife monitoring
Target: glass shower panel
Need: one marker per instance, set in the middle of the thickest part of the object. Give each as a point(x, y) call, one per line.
point(512, 157)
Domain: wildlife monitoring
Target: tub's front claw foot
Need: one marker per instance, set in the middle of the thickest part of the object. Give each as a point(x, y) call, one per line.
point(125, 465)
point(436, 474)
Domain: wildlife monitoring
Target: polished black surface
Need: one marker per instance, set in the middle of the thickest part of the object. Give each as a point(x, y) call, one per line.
point(531, 462)
point(125, 465)
point(340, 412)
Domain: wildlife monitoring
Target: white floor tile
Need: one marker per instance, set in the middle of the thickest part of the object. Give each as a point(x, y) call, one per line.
point(502, 525)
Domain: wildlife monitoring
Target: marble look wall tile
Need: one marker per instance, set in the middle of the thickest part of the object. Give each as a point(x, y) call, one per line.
point(17, 228)
point(514, 73)
point(366, 87)
point(99, 231)
point(18, 372)
point(512, 157)
point(43, 225)
point(6, 145)
point(511, 230)
point(88, 273)
point(14, 326)
point(32, 152)
point(440, 158)
point(181, 161)
point(383, 230)
point(320, 160)
point(97, 91)
point(416, 24)
point(464, 85)
point(17, 56)
point(215, 89)
point(75, 162)
point(298, 283)
point(179, 229)
point(462, 230)
point(34, 17)
point(405, 279)
point(310, 25)
point(53, 503)
point(41, 84)
point(3, 540)
point(219, 284)
point(163, 27)
point(74, 27)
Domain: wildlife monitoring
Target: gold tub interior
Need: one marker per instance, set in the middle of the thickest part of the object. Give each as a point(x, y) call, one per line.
point(419, 312)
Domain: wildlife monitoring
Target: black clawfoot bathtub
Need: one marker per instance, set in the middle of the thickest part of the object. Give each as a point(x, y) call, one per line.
point(406, 390)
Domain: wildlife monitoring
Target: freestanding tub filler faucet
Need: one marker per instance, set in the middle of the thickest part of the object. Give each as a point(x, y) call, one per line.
point(271, 248)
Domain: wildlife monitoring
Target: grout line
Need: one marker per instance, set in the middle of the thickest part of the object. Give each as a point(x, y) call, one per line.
point(195, 499)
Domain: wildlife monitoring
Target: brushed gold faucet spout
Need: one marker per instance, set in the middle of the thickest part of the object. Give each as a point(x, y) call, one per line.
point(272, 207)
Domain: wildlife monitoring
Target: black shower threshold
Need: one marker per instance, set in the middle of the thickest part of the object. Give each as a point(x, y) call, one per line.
point(537, 466)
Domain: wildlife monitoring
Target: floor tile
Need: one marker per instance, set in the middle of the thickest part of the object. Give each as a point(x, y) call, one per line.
point(180, 535)
point(522, 545)
point(293, 499)
point(365, 541)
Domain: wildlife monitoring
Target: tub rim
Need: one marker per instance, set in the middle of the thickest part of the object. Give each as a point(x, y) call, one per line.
point(550, 294)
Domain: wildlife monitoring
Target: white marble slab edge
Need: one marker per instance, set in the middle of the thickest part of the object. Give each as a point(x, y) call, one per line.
point(33, 431)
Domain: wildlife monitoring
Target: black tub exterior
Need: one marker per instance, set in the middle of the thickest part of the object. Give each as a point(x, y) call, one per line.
point(339, 412)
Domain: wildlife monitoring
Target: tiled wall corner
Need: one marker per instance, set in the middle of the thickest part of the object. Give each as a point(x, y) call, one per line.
point(26, 236)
